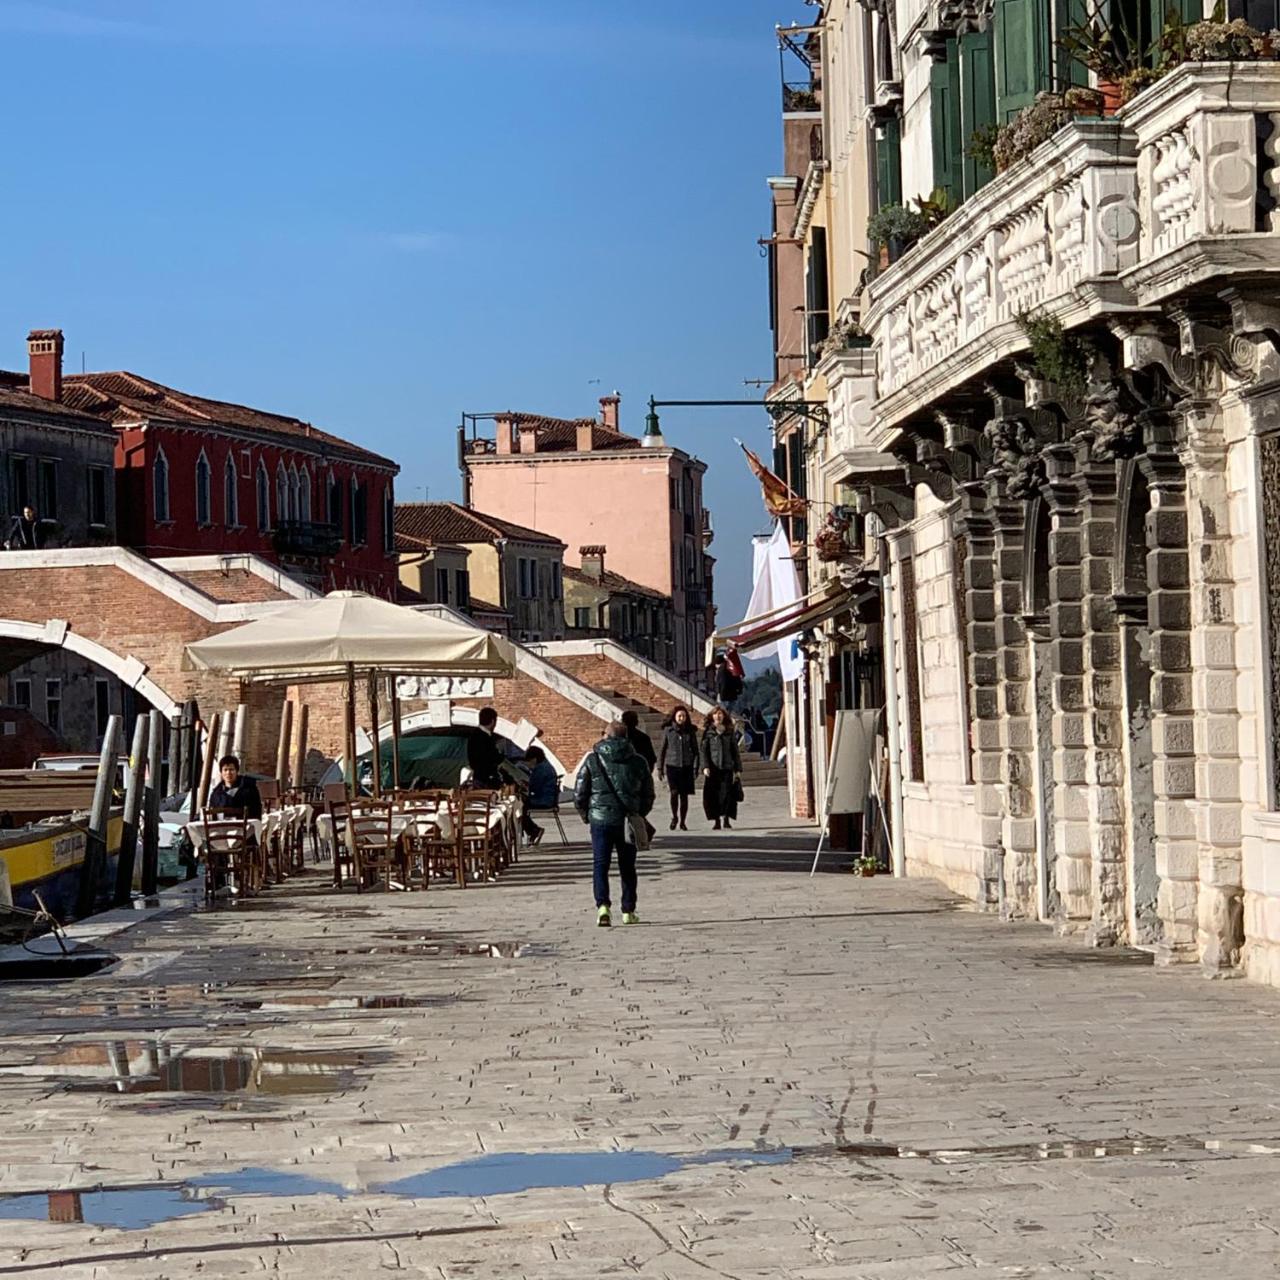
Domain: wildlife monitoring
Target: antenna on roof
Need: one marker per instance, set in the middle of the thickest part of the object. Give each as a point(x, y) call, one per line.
point(82, 362)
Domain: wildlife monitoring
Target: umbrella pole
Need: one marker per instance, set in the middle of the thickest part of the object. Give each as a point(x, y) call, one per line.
point(351, 729)
point(395, 734)
point(373, 718)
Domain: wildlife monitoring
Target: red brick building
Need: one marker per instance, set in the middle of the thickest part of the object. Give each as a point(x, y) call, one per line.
point(197, 476)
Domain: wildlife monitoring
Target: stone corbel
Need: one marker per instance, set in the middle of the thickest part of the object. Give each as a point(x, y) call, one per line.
point(1213, 348)
point(1143, 347)
point(895, 506)
point(1257, 321)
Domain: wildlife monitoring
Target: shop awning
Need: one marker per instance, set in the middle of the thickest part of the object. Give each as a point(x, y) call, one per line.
point(789, 620)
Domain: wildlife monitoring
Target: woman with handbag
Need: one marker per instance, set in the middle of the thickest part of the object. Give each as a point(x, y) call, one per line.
point(678, 762)
point(721, 769)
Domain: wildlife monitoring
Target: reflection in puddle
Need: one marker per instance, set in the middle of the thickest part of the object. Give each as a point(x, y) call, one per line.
point(1111, 1148)
point(504, 1174)
point(131, 1208)
point(414, 944)
point(145, 1206)
point(286, 1001)
point(150, 1066)
point(54, 968)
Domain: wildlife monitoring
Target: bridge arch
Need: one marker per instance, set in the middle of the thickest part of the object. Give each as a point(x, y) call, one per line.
point(57, 634)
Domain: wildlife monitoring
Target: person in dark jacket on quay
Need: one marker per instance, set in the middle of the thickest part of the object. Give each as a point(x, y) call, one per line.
point(485, 751)
point(236, 790)
point(639, 739)
point(721, 768)
point(544, 791)
point(613, 783)
point(24, 531)
point(678, 762)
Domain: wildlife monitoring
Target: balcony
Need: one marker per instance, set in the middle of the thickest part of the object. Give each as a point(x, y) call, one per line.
point(1106, 218)
point(306, 539)
point(800, 98)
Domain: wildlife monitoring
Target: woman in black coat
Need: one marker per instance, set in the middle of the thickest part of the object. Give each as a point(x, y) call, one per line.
point(678, 762)
point(721, 768)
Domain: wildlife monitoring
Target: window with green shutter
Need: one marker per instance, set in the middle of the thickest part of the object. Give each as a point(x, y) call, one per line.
point(944, 102)
point(1021, 31)
point(977, 103)
point(889, 162)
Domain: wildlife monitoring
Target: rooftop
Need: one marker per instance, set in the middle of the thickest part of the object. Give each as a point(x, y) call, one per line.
point(15, 397)
point(435, 522)
point(614, 583)
point(122, 397)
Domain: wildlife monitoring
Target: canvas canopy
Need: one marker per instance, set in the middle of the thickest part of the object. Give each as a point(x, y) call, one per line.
point(325, 640)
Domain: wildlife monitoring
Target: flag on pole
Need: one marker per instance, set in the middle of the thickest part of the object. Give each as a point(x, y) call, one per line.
point(778, 498)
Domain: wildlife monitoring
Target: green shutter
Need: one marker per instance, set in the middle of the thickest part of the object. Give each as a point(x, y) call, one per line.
point(977, 102)
point(944, 101)
point(889, 162)
point(1067, 14)
point(1022, 54)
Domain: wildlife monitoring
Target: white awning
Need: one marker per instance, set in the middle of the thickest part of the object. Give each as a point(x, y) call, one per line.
point(789, 620)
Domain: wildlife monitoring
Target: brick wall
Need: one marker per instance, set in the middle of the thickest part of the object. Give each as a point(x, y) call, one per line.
point(603, 674)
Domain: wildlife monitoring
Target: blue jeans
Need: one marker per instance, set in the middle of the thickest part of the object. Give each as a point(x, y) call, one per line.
point(604, 839)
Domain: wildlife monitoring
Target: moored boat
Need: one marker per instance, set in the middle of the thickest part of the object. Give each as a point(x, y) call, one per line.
point(47, 858)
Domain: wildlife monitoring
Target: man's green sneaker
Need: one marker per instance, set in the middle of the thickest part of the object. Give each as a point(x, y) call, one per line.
point(630, 917)
point(602, 918)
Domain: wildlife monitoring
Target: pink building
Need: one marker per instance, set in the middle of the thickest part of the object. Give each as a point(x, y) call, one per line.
point(590, 484)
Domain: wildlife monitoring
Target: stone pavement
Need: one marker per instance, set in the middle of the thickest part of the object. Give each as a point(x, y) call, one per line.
point(853, 1078)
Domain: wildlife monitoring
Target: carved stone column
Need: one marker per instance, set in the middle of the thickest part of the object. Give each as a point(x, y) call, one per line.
point(1173, 732)
point(1104, 697)
point(1019, 821)
point(1214, 698)
point(973, 520)
point(1072, 894)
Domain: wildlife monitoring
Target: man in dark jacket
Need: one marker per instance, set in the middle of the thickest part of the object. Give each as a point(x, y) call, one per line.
point(235, 791)
point(24, 531)
point(484, 751)
point(639, 739)
point(613, 783)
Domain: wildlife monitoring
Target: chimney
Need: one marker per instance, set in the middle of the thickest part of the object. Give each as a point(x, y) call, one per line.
point(592, 562)
point(44, 348)
point(506, 435)
point(586, 436)
point(528, 439)
point(609, 410)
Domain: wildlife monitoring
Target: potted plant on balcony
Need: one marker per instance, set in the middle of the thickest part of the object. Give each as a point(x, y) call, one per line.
point(895, 227)
point(1114, 54)
point(831, 542)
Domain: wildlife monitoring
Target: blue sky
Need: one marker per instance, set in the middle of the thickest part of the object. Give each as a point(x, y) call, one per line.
point(374, 214)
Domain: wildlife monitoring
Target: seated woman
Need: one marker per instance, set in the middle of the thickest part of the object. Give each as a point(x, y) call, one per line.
point(544, 791)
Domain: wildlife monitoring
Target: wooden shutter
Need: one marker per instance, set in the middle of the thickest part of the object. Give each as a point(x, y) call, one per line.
point(817, 319)
point(944, 102)
point(1067, 14)
point(977, 102)
point(889, 162)
point(1022, 54)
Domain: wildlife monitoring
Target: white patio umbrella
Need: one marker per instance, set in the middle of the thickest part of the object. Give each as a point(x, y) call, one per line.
point(347, 635)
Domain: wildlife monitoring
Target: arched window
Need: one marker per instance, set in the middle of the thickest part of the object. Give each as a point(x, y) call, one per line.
point(230, 494)
point(388, 521)
point(333, 502)
point(160, 487)
point(295, 495)
point(203, 497)
point(304, 494)
point(264, 498)
point(282, 493)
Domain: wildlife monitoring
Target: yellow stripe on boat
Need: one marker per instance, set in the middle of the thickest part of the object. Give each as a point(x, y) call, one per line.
point(61, 850)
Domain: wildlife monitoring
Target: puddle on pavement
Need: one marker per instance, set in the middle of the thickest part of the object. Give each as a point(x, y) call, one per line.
point(505, 1174)
point(1111, 1148)
point(133, 1208)
point(419, 945)
point(509, 1173)
point(149, 1066)
point(268, 1003)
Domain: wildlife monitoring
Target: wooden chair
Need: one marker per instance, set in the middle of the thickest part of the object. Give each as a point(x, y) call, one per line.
point(230, 854)
point(375, 851)
point(422, 845)
point(338, 804)
point(479, 837)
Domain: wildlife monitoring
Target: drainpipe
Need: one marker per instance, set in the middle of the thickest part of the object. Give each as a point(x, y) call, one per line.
point(889, 559)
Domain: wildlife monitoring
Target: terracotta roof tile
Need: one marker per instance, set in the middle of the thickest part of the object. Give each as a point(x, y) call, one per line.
point(436, 522)
point(15, 396)
point(126, 397)
point(614, 582)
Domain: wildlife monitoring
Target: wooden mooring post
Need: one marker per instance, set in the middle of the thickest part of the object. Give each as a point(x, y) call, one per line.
point(95, 851)
point(151, 804)
point(133, 788)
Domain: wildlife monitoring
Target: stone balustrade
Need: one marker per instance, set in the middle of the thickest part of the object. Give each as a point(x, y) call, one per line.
point(1106, 217)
